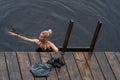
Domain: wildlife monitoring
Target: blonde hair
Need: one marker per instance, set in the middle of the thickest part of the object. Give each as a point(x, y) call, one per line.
point(47, 34)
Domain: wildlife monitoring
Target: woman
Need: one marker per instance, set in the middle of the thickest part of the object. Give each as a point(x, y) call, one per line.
point(43, 41)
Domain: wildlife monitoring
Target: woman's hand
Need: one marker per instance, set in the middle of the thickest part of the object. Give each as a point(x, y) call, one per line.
point(13, 34)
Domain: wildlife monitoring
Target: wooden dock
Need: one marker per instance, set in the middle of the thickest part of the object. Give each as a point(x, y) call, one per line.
point(78, 66)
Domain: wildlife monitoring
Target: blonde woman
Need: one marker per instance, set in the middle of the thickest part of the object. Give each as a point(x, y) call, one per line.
point(43, 41)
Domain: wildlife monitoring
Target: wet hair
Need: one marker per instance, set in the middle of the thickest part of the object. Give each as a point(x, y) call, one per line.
point(47, 34)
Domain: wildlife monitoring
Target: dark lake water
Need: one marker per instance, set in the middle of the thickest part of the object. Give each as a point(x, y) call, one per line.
point(30, 17)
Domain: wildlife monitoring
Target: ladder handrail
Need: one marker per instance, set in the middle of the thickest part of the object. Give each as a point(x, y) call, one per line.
point(68, 34)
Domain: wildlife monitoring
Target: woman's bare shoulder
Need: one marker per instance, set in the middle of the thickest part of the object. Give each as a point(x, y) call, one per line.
point(50, 43)
point(36, 41)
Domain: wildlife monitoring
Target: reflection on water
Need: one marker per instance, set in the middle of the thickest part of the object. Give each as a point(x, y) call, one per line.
point(30, 17)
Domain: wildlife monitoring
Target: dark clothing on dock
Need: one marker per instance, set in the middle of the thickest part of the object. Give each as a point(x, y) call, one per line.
point(43, 69)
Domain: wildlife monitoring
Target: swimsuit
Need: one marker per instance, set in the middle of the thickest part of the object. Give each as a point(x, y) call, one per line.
point(41, 50)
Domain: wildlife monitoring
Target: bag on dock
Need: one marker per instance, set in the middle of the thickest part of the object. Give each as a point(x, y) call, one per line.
point(43, 69)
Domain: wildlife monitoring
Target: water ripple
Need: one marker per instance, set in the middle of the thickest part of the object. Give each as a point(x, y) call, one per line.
point(32, 16)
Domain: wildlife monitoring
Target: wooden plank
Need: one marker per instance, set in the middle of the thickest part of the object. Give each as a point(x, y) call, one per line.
point(94, 67)
point(114, 64)
point(13, 68)
point(3, 68)
point(24, 64)
point(118, 56)
point(83, 66)
point(104, 65)
point(61, 72)
point(71, 66)
point(45, 56)
point(35, 58)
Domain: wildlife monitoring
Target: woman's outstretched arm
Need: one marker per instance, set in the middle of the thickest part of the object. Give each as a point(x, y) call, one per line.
point(23, 37)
